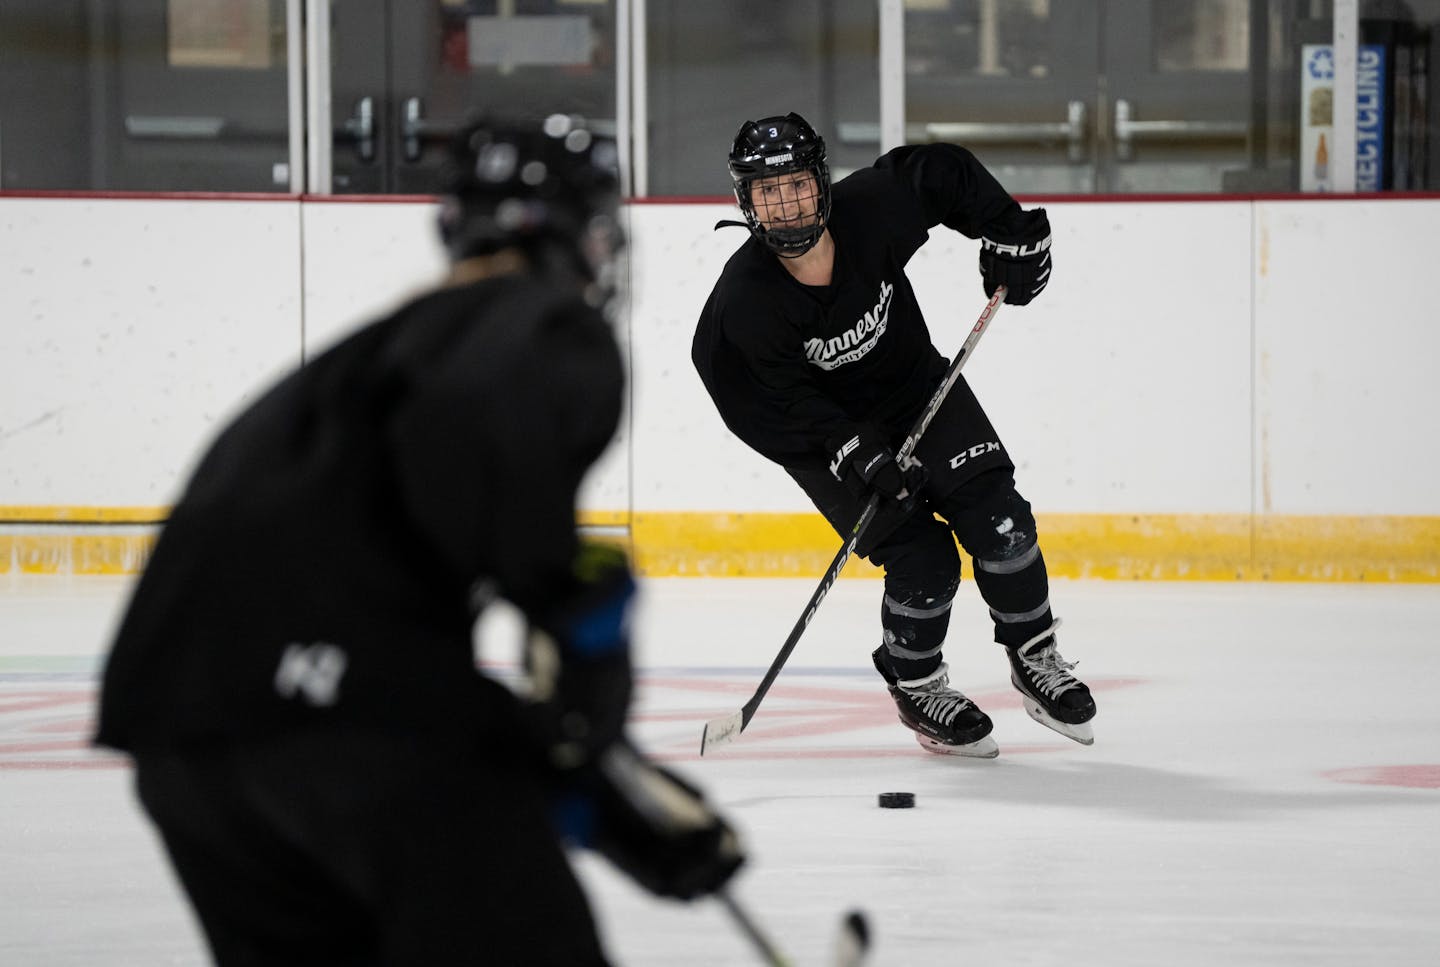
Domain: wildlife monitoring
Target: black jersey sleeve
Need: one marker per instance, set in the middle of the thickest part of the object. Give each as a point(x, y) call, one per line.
point(947, 185)
point(492, 451)
point(751, 358)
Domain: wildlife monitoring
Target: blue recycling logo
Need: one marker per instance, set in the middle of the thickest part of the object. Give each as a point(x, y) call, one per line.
point(1321, 64)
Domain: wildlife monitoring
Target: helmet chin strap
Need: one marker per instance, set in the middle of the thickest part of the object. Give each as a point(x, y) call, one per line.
point(782, 253)
point(794, 246)
point(797, 253)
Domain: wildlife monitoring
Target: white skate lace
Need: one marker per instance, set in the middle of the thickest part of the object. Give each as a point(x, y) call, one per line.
point(1049, 672)
point(937, 700)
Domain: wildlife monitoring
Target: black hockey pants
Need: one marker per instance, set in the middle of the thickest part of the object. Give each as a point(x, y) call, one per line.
point(367, 849)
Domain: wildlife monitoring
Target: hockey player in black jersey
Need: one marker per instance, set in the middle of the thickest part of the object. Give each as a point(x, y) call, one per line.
point(295, 677)
point(815, 352)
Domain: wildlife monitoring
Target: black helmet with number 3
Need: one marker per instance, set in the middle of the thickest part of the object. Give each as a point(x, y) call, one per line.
point(549, 188)
point(776, 146)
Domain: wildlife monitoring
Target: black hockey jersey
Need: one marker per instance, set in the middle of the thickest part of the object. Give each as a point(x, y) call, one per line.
point(790, 366)
point(320, 565)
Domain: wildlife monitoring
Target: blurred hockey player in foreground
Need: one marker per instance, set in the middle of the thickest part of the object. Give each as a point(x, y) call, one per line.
point(813, 347)
point(334, 780)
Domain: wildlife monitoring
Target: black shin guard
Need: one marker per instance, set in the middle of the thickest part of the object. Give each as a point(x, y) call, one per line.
point(920, 584)
point(915, 623)
point(1019, 600)
point(995, 526)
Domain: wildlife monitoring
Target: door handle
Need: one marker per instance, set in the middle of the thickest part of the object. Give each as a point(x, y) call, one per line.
point(360, 127)
point(1128, 130)
point(415, 129)
point(1072, 131)
point(157, 127)
point(174, 128)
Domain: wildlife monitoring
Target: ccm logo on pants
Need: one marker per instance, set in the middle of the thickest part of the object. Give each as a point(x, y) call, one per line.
point(979, 449)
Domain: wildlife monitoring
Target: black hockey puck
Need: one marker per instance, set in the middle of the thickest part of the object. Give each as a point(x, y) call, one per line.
point(897, 800)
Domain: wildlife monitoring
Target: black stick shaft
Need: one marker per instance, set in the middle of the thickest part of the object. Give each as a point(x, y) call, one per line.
point(762, 943)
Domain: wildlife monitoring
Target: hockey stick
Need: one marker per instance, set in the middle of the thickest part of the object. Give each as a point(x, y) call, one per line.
point(751, 930)
point(727, 727)
point(851, 945)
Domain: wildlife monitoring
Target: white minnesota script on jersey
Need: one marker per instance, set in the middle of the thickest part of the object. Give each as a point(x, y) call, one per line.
point(855, 342)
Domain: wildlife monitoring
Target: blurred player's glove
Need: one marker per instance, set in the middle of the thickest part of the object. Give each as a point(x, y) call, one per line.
point(1017, 255)
point(864, 463)
point(578, 659)
point(650, 823)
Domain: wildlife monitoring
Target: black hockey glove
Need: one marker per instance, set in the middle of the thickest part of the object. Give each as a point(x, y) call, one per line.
point(1017, 256)
point(650, 823)
point(578, 660)
point(865, 464)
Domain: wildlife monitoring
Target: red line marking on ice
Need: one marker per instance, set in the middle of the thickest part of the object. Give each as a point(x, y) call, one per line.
point(789, 754)
point(1426, 776)
point(869, 698)
point(827, 723)
point(742, 754)
point(688, 716)
point(61, 745)
point(29, 701)
point(838, 710)
point(823, 710)
point(74, 726)
point(97, 762)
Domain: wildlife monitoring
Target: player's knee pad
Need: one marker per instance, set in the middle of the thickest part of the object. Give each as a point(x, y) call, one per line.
point(925, 564)
point(997, 530)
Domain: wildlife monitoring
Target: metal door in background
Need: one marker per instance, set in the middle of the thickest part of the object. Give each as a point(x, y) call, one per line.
point(1106, 96)
point(148, 95)
point(407, 74)
point(201, 96)
point(710, 66)
point(204, 95)
point(1177, 113)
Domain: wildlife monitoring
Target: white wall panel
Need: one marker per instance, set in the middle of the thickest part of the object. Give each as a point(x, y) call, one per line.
point(1348, 357)
point(1139, 383)
point(127, 330)
point(362, 260)
point(1126, 386)
point(685, 458)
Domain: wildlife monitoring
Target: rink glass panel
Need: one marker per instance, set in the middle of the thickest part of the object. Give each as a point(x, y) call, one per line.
point(1109, 96)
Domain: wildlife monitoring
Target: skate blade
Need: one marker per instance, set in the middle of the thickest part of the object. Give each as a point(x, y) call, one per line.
point(984, 748)
point(1081, 733)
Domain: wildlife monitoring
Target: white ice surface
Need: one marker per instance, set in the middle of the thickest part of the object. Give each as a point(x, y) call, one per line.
point(1264, 786)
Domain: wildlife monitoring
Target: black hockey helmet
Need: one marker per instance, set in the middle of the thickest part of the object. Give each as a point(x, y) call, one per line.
point(550, 188)
point(775, 146)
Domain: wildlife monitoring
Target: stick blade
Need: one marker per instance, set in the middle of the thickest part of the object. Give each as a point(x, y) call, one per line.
point(722, 730)
point(852, 946)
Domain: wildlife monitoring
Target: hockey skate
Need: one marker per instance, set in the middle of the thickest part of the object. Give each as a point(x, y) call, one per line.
point(944, 720)
point(1051, 695)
